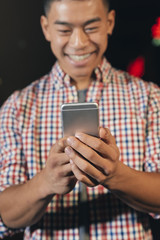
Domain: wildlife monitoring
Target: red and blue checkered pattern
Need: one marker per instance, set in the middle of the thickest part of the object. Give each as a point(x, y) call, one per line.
point(30, 123)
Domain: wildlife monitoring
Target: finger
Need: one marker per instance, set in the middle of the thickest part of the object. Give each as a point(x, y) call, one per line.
point(57, 159)
point(82, 177)
point(66, 170)
point(104, 149)
point(106, 135)
point(63, 171)
point(86, 167)
point(59, 146)
point(87, 152)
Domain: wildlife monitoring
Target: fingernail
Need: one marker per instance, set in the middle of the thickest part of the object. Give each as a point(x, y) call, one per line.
point(70, 140)
point(78, 135)
point(71, 162)
point(68, 150)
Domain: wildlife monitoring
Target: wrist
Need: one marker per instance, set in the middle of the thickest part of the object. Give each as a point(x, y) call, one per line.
point(120, 179)
point(42, 186)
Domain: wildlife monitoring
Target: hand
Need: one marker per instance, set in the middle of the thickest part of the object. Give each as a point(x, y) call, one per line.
point(59, 178)
point(93, 160)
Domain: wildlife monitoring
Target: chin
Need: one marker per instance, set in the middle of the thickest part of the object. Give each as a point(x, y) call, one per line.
point(82, 75)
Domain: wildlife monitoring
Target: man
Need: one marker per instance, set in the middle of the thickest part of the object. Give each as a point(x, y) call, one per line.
point(41, 172)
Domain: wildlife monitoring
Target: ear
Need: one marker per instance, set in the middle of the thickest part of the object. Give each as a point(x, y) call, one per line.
point(110, 21)
point(45, 27)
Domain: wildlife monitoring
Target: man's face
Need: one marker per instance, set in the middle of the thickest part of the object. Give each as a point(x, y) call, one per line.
point(78, 34)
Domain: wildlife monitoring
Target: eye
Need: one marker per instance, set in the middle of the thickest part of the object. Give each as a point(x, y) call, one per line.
point(91, 29)
point(64, 31)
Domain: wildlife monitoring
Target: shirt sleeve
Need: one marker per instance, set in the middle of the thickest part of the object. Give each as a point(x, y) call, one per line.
point(152, 146)
point(12, 160)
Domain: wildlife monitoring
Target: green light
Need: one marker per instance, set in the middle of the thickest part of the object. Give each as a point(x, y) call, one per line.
point(156, 42)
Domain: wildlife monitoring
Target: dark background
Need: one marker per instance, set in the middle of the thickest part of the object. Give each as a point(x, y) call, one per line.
point(25, 55)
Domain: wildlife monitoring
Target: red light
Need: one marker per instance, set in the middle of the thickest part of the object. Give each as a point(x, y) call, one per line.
point(156, 29)
point(156, 33)
point(137, 67)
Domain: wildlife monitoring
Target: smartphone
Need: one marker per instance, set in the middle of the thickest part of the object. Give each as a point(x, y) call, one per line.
point(80, 117)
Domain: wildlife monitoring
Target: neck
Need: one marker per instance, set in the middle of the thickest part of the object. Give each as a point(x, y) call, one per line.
point(81, 83)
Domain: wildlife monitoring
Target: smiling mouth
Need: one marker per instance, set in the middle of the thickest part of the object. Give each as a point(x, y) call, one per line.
point(78, 58)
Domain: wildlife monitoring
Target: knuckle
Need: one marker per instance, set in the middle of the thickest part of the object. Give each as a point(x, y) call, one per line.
point(98, 144)
point(90, 154)
point(60, 174)
point(102, 176)
point(85, 167)
point(82, 178)
point(116, 154)
point(60, 143)
point(109, 170)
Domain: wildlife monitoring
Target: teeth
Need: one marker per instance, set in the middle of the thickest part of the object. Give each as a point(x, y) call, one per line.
point(79, 58)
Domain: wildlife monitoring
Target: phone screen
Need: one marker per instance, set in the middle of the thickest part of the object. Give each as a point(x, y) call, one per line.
point(80, 117)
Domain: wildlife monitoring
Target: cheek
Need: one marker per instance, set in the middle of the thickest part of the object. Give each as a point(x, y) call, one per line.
point(58, 44)
point(101, 40)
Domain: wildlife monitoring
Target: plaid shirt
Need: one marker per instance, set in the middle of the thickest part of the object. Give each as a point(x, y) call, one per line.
point(30, 123)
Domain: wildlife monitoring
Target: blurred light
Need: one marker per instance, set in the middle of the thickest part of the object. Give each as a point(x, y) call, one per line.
point(156, 33)
point(137, 67)
point(156, 42)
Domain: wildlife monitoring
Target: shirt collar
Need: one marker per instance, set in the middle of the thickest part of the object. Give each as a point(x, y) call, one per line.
point(101, 73)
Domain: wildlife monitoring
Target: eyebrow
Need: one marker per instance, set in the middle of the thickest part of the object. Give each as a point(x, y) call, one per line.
point(97, 19)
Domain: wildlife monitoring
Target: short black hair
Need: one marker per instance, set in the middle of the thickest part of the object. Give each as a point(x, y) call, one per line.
point(47, 4)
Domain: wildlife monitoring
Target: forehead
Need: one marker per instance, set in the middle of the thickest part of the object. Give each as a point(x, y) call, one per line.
point(76, 9)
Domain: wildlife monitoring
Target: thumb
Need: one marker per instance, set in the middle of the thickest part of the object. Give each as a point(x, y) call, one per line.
point(106, 136)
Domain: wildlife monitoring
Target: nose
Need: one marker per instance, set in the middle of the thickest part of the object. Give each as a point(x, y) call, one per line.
point(78, 39)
